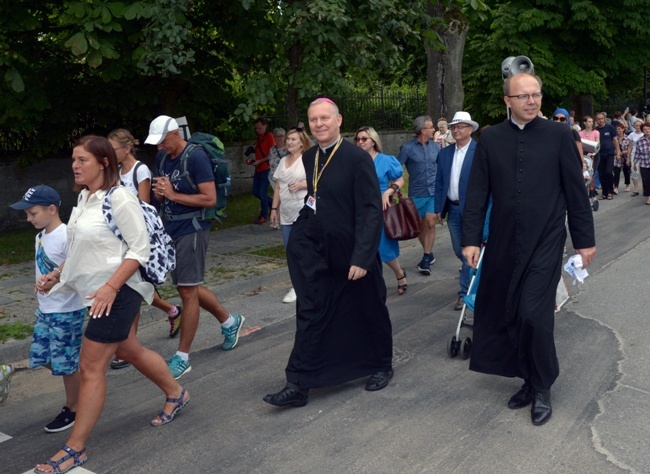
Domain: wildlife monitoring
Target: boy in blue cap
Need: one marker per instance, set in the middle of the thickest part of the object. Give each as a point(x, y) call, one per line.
point(59, 318)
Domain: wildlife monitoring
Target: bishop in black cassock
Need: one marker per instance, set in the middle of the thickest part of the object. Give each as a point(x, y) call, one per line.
point(343, 329)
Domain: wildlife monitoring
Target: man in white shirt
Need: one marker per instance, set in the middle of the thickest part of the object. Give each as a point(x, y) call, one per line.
point(454, 165)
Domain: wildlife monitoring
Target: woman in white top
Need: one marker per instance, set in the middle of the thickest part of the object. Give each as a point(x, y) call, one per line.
point(634, 137)
point(136, 177)
point(291, 189)
point(103, 270)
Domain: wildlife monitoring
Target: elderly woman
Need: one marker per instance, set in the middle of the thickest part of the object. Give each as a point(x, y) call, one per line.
point(389, 173)
point(277, 152)
point(291, 189)
point(622, 161)
point(103, 270)
point(642, 160)
point(443, 135)
point(634, 137)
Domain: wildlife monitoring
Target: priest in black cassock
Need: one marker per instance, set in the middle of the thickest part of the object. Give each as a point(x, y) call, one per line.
point(531, 168)
point(343, 329)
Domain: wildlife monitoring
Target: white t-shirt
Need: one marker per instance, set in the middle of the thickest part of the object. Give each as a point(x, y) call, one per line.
point(290, 203)
point(127, 178)
point(634, 137)
point(55, 247)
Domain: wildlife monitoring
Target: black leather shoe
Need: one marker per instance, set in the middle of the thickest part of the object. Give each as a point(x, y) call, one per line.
point(522, 398)
point(379, 380)
point(287, 397)
point(541, 410)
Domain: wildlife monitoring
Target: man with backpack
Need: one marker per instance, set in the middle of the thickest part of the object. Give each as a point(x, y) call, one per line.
point(184, 184)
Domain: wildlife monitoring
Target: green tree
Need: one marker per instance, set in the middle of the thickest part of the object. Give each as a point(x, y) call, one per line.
point(580, 48)
point(307, 47)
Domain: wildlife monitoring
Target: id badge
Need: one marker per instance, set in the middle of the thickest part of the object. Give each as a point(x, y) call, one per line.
point(311, 203)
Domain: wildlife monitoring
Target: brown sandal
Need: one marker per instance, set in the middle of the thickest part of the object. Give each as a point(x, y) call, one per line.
point(401, 289)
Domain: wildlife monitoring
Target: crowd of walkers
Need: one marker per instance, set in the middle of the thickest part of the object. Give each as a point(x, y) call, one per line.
point(329, 211)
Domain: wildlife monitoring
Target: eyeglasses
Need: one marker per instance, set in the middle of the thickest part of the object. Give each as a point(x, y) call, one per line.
point(559, 119)
point(526, 97)
point(118, 147)
point(459, 127)
point(361, 139)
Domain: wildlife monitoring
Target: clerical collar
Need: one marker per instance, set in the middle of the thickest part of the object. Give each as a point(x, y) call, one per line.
point(328, 148)
point(521, 127)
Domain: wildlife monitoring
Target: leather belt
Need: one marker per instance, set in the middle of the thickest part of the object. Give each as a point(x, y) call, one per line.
point(455, 203)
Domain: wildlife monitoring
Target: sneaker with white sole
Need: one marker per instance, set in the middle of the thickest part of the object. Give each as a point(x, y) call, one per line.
point(424, 266)
point(290, 297)
point(231, 334)
point(178, 367)
point(62, 422)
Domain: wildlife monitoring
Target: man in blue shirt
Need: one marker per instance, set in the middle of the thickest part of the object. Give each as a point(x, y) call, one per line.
point(609, 149)
point(184, 199)
point(420, 155)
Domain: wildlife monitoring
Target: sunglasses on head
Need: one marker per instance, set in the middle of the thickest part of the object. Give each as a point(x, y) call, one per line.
point(559, 119)
point(361, 139)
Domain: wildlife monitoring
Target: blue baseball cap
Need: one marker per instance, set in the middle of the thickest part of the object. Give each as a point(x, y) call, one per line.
point(40, 195)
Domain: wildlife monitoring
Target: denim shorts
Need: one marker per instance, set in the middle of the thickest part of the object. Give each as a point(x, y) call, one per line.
point(57, 341)
point(424, 205)
point(191, 251)
point(116, 326)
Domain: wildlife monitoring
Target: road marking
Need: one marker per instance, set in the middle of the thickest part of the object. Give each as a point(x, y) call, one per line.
point(4, 437)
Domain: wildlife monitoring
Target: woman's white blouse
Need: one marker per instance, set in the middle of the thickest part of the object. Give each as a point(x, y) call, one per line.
point(95, 253)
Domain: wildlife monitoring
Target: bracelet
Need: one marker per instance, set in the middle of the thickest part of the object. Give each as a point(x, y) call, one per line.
point(394, 187)
point(111, 287)
point(57, 270)
point(274, 208)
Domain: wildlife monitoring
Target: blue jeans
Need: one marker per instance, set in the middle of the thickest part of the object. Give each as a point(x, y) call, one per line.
point(286, 231)
point(454, 222)
point(261, 191)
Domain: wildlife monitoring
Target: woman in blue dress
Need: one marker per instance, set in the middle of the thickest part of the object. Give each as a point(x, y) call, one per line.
point(389, 173)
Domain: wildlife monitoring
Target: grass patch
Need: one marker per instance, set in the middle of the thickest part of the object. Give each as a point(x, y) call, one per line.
point(241, 209)
point(15, 330)
point(17, 246)
point(272, 252)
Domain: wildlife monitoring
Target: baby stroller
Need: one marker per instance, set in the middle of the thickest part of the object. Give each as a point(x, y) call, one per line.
point(589, 174)
point(455, 346)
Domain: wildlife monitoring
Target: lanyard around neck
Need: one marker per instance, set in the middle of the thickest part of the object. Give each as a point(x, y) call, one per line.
point(317, 174)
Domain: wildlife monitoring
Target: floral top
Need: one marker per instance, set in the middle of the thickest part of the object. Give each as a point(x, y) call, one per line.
point(624, 144)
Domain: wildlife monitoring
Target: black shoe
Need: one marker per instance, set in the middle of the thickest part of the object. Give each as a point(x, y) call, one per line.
point(522, 398)
point(62, 422)
point(379, 380)
point(424, 266)
point(459, 304)
point(287, 397)
point(541, 410)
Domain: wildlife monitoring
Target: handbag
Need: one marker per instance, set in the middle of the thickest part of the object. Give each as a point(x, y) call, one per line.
point(401, 220)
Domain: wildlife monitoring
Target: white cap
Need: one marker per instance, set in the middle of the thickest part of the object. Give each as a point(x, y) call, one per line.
point(159, 129)
point(464, 117)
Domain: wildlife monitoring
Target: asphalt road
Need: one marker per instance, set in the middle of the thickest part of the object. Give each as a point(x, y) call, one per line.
point(435, 416)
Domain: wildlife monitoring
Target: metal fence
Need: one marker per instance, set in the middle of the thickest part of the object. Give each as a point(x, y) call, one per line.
point(382, 110)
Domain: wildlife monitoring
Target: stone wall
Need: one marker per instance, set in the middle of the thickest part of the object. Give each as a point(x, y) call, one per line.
point(57, 173)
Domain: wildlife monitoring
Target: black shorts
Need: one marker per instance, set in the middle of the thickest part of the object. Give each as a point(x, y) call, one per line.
point(116, 326)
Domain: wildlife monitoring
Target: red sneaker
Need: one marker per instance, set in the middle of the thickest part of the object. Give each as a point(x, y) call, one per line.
point(260, 220)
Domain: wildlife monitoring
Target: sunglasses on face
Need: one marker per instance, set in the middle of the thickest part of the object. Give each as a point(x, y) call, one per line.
point(559, 119)
point(361, 139)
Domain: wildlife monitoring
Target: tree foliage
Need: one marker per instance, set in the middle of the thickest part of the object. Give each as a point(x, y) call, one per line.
point(579, 48)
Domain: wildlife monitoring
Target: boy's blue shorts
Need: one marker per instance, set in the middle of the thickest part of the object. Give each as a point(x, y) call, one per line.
point(57, 341)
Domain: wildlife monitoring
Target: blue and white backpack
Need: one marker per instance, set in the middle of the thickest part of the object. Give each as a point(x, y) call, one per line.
point(162, 253)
